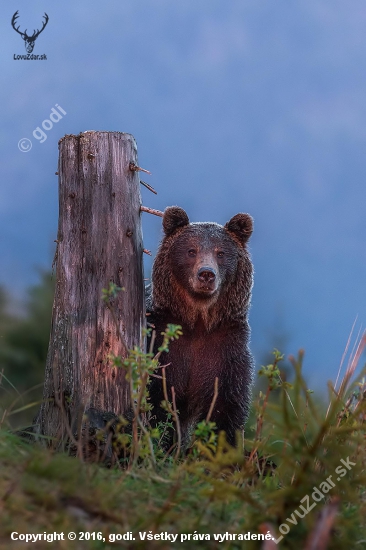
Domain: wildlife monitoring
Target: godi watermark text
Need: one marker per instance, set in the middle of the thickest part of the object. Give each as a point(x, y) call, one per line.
point(57, 113)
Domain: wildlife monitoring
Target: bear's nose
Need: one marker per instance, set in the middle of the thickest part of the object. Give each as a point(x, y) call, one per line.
point(206, 275)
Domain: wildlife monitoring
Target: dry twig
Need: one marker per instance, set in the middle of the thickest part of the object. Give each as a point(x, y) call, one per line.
point(215, 395)
point(151, 211)
point(149, 187)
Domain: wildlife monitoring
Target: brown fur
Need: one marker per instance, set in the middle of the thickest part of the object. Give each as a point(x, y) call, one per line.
point(202, 279)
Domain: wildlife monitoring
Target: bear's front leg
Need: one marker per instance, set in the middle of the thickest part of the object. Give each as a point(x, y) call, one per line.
point(231, 409)
point(228, 417)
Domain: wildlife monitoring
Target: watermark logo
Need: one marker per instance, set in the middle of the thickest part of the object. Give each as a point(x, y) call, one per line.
point(24, 145)
point(29, 40)
point(57, 113)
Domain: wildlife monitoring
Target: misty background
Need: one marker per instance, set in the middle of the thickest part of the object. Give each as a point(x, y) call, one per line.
point(248, 106)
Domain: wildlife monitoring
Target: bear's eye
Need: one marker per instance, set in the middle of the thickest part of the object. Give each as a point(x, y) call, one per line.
point(192, 253)
point(220, 254)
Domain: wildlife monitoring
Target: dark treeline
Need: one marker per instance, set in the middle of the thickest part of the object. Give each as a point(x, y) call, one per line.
point(23, 347)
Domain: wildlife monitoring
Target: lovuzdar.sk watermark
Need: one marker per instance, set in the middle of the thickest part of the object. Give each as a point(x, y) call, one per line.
point(30, 57)
point(29, 40)
point(318, 494)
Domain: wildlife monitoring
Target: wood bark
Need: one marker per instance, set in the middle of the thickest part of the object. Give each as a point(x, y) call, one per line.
point(99, 241)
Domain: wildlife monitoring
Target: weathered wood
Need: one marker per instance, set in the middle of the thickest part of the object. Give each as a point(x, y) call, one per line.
point(99, 241)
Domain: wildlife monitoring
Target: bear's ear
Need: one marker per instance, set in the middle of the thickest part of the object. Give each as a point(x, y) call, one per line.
point(174, 218)
point(242, 227)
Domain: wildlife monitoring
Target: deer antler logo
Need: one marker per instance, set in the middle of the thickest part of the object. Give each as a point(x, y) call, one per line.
point(28, 40)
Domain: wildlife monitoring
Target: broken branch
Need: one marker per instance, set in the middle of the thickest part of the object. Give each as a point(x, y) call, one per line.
point(151, 211)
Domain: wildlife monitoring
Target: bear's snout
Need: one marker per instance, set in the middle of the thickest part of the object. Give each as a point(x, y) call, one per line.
point(206, 280)
point(206, 275)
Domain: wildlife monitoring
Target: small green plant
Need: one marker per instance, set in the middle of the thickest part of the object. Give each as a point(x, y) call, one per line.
point(108, 294)
point(140, 366)
point(272, 372)
point(205, 437)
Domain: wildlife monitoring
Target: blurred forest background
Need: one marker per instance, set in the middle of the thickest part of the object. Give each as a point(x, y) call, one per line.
point(23, 349)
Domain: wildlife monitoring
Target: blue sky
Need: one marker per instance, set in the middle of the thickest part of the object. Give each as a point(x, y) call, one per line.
point(243, 106)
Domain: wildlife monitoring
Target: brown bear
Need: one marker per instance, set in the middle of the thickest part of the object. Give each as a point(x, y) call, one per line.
point(202, 279)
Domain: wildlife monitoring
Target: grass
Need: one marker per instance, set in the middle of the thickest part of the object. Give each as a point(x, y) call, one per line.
point(293, 446)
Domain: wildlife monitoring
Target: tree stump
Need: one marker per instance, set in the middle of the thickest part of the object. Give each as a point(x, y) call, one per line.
point(99, 241)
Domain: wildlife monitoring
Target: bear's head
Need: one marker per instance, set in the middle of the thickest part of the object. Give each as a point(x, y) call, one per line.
point(199, 265)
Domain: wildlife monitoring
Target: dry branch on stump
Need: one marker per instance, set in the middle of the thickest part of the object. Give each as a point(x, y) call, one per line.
point(99, 241)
